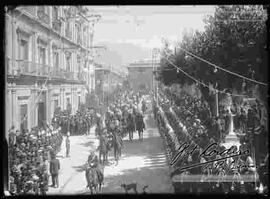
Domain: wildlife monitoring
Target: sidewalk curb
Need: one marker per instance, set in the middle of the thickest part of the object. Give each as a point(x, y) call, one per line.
point(61, 155)
point(167, 156)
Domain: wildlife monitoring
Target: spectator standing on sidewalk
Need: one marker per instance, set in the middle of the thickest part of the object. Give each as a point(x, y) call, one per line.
point(67, 145)
point(54, 170)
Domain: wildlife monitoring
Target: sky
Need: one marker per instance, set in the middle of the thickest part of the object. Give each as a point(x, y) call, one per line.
point(131, 32)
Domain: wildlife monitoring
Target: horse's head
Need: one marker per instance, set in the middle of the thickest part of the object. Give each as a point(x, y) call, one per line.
point(123, 185)
point(92, 175)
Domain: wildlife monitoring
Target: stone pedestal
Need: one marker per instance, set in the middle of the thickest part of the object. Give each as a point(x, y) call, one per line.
point(231, 139)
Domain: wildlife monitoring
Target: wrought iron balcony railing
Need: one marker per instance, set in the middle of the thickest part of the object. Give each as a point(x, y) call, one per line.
point(34, 69)
point(42, 16)
point(58, 72)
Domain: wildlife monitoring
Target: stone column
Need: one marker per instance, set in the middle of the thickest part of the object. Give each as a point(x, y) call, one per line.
point(48, 104)
point(50, 54)
point(71, 100)
point(72, 23)
point(14, 110)
point(33, 116)
point(64, 99)
point(35, 51)
point(8, 42)
point(8, 111)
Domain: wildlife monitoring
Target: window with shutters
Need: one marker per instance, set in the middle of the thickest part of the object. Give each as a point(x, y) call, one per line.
point(23, 50)
point(55, 104)
point(68, 62)
point(56, 59)
point(41, 55)
point(84, 36)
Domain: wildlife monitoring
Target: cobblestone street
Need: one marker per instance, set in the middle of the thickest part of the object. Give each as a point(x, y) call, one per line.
point(142, 162)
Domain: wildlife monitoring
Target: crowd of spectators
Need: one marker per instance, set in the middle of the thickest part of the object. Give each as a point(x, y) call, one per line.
point(29, 156)
point(194, 123)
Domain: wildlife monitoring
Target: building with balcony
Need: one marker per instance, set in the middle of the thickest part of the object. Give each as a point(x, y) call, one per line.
point(141, 75)
point(48, 62)
point(108, 80)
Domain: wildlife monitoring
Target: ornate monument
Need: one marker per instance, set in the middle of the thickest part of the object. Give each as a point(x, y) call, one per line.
point(231, 139)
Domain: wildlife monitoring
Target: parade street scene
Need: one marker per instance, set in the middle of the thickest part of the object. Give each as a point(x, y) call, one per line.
point(136, 100)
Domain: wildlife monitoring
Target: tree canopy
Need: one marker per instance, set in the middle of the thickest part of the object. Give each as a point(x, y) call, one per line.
point(235, 38)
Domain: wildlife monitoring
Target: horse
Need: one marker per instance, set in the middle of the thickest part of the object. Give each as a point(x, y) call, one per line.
point(130, 126)
point(92, 180)
point(117, 145)
point(103, 148)
point(140, 126)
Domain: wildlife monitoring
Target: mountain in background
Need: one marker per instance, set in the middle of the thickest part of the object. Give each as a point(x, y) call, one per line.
point(121, 54)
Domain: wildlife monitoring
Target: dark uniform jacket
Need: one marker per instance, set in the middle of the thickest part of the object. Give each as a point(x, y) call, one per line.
point(54, 166)
point(139, 123)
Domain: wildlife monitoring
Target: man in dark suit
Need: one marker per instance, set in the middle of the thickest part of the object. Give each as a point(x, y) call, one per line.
point(54, 170)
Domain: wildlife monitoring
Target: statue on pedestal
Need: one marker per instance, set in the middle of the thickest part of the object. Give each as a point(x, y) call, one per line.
point(231, 139)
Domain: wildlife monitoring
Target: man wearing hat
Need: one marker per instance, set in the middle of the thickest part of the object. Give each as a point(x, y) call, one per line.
point(54, 170)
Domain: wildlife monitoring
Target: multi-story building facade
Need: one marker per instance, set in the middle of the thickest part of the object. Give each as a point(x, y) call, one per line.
point(142, 75)
point(108, 79)
point(48, 62)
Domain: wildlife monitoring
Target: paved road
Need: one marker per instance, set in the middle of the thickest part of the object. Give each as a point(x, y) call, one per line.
point(142, 162)
point(71, 177)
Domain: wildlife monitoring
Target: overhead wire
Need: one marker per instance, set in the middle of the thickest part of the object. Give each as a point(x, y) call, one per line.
point(214, 65)
point(197, 81)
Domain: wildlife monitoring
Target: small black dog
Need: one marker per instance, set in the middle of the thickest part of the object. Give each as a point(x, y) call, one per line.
point(130, 186)
point(145, 187)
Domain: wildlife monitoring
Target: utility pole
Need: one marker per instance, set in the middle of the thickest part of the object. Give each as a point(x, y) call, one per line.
point(216, 100)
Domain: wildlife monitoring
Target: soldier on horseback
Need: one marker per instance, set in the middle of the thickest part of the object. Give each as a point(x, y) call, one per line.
point(93, 163)
point(115, 138)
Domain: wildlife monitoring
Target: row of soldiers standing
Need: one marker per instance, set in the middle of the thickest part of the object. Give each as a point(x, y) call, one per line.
point(78, 124)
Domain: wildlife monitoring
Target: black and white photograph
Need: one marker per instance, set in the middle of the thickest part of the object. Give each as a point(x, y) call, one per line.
point(136, 99)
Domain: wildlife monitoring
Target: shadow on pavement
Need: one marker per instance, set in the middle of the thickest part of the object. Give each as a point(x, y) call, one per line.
point(150, 122)
point(147, 146)
point(80, 168)
point(150, 169)
point(87, 144)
